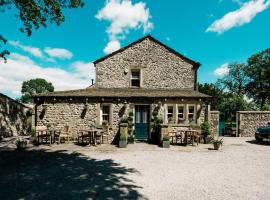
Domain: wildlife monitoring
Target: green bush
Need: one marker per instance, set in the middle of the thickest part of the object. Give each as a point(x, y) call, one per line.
point(123, 137)
point(166, 138)
point(21, 144)
point(205, 127)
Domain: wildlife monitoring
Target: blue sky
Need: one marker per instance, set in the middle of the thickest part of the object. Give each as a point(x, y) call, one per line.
point(212, 32)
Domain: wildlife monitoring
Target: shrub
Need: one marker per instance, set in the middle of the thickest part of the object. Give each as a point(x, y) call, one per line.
point(166, 138)
point(21, 144)
point(123, 137)
point(205, 128)
point(217, 141)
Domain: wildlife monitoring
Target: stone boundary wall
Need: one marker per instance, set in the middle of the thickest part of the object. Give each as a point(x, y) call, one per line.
point(214, 123)
point(13, 120)
point(248, 121)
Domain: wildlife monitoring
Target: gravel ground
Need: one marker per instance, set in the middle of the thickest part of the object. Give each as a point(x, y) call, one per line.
point(240, 170)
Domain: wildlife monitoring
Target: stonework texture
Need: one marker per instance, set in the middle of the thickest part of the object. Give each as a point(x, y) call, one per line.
point(13, 120)
point(248, 121)
point(214, 123)
point(74, 113)
point(159, 68)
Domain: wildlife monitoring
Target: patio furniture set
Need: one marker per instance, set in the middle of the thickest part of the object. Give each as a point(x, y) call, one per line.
point(185, 137)
point(84, 135)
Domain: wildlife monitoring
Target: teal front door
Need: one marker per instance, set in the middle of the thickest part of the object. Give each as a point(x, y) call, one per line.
point(141, 122)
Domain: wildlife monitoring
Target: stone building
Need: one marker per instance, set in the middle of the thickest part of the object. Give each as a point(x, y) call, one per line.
point(13, 119)
point(142, 77)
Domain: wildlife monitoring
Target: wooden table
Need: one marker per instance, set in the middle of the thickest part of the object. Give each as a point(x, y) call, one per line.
point(91, 134)
point(191, 134)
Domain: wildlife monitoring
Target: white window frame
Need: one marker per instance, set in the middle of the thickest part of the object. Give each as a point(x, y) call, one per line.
point(102, 114)
point(131, 78)
point(194, 113)
point(177, 113)
point(173, 113)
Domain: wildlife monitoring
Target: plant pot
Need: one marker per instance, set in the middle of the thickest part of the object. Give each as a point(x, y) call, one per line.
point(166, 144)
point(216, 146)
point(122, 144)
point(21, 147)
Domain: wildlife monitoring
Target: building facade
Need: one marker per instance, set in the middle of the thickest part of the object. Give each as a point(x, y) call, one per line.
point(141, 78)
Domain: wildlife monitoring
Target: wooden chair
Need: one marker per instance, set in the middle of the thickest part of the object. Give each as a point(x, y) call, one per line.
point(172, 134)
point(179, 136)
point(105, 134)
point(81, 133)
point(65, 134)
point(41, 133)
point(98, 137)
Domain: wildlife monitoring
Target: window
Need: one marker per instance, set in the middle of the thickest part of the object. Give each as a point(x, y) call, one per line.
point(180, 114)
point(170, 114)
point(135, 78)
point(105, 115)
point(191, 113)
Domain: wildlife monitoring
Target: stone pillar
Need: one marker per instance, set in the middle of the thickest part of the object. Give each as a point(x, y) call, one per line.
point(124, 128)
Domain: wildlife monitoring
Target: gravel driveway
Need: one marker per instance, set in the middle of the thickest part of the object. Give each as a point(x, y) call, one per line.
point(240, 170)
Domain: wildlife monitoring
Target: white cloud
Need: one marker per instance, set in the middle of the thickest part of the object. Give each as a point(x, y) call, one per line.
point(222, 70)
point(58, 53)
point(20, 68)
point(84, 70)
point(112, 46)
point(32, 50)
point(123, 17)
point(236, 18)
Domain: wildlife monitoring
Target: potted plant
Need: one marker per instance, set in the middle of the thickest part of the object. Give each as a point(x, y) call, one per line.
point(206, 132)
point(21, 144)
point(131, 137)
point(217, 143)
point(123, 140)
point(166, 141)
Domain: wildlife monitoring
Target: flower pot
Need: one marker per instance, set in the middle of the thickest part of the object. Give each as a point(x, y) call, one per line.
point(166, 144)
point(216, 146)
point(122, 144)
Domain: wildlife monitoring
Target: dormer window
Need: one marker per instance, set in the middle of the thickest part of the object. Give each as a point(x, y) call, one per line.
point(135, 78)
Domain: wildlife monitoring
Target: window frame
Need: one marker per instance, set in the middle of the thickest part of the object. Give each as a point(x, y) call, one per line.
point(194, 113)
point(108, 114)
point(139, 79)
point(167, 113)
point(177, 114)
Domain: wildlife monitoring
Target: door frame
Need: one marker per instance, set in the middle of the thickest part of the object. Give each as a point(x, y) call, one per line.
point(149, 116)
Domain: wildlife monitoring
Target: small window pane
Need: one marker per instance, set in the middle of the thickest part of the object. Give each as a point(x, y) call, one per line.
point(180, 115)
point(191, 113)
point(106, 113)
point(170, 114)
point(135, 78)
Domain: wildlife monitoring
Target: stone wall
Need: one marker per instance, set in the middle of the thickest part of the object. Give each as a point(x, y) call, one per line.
point(214, 123)
point(13, 120)
point(75, 113)
point(248, 121)
point(159, 68)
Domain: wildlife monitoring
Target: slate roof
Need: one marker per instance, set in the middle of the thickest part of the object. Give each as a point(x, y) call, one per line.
point(125, 92)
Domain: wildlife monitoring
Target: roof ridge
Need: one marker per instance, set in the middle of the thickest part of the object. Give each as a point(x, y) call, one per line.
point(194, 63)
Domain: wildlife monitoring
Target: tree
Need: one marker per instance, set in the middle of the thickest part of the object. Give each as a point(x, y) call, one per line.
point(258, 71)
point(216, 93)
point(236, 80)
point(34, 86)
point(34, 13)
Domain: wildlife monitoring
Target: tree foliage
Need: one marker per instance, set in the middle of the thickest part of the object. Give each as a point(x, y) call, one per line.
point(34, 86)
point(236, 80)
point(36, 13)
point(215, 92)
point(258, 71)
